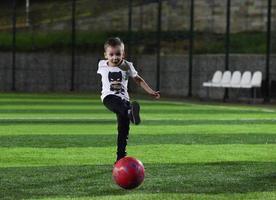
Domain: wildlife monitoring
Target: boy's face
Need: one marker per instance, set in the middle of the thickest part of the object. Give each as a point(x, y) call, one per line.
point(114, 55)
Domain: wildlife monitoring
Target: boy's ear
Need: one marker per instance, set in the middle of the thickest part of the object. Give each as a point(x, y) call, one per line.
point(105, 55)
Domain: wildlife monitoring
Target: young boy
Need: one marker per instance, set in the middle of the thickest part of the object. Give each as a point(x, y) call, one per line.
point(115, 71)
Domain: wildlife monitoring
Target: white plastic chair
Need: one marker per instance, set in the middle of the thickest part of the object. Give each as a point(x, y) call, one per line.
point(226, 78)
point(235, 80)
point(256, 79)
point(246, 80)
point(216, 79)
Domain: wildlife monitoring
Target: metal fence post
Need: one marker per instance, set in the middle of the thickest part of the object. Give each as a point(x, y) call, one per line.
point(13, 45)
point(27, 13)
point(268, 52)
point(130, 28)
point(227, 41)
point(191, 48)
point(158, 46)
point(73, 45)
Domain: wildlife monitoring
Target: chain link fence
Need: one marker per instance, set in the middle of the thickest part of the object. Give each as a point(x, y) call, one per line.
point(175, 45)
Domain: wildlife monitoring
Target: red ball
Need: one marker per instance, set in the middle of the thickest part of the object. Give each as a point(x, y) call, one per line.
point(128, 172)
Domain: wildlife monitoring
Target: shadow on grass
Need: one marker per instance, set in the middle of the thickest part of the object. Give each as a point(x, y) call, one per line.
point(92, 110)
point(50, 96)
point(43, 99)
point(48, 103)
point(94, 101)
point(96, 180)
point(160, 122)
point(63, 141)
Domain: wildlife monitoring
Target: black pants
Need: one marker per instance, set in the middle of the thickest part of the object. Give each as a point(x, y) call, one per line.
point(120, 107)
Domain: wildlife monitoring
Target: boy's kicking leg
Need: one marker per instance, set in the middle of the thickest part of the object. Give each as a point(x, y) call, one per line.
point(123, 107)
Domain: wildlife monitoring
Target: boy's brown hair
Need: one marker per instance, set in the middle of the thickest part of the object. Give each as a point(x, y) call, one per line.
point(113, 42)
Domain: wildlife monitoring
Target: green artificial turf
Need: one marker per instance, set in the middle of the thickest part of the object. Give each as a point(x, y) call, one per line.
point(62, 146)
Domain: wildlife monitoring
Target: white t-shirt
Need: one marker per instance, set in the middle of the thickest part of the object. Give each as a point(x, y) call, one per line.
point(115, 79)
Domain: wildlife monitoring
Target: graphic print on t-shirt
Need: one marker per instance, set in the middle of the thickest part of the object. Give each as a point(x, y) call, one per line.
point(115, 79)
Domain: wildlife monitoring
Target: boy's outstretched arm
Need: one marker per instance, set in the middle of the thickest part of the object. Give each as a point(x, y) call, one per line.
point(142, 83)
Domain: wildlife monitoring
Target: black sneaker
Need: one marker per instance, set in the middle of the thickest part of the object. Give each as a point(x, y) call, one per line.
point(135, 110)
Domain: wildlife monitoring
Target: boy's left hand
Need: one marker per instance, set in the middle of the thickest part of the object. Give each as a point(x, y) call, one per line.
point(156, 94)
